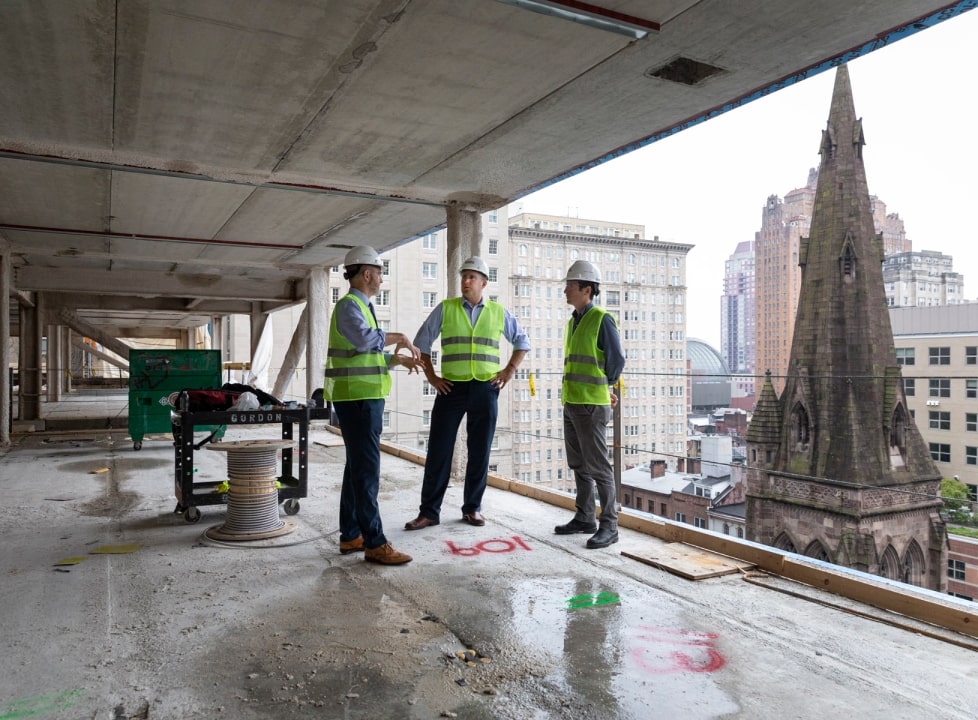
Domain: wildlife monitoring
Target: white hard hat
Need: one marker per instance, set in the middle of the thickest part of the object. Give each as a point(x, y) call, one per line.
point(476, 263)
point(363, 255)
point(584, 271)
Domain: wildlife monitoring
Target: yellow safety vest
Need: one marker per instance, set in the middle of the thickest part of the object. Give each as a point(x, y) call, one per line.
point(470, 353)
point(352, 375)
point(584, 380)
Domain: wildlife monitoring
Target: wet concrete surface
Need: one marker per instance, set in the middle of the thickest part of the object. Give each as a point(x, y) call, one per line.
point(506, 621)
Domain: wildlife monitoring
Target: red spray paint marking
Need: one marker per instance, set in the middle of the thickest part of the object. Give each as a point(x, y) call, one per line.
point(489, 546)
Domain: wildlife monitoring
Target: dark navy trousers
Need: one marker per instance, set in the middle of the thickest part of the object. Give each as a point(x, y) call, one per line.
point(361, 422)
point(478, 401)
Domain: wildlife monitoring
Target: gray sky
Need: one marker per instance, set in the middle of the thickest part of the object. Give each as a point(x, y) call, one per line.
point(706, 186)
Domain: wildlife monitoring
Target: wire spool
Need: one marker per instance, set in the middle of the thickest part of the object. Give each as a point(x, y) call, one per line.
point(252, 497)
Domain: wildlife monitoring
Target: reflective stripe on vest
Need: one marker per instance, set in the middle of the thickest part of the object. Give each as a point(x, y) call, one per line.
point(584, 380)
point(352, 375)
point(470, 353)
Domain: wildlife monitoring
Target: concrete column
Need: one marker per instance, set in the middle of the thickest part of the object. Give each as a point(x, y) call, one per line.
point(5, 395)
point(66, 374)
point(29, 363)
point(54, 367)
point(317, 328)
point(297, 347)
point(463, 239)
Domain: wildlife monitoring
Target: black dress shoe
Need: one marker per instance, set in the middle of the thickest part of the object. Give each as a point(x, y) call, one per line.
point(474, 518)
point(603, 538)
point(575, 526)
point(420, 522)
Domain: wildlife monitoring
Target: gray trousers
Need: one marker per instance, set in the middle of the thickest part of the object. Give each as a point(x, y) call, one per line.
point(586, 442)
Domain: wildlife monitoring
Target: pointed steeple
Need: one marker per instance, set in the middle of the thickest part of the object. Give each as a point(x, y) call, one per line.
point(847, 476)
point(838, 404)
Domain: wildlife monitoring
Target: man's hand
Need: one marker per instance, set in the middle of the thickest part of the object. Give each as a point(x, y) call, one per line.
point(406, 361)
point(502, 377)
point(440, 384)
point(614, 398)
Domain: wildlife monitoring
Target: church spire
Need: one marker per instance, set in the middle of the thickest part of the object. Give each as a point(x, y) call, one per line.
point(838, 405)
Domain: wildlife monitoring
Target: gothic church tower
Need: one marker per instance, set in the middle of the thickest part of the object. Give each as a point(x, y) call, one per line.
point(837, 468)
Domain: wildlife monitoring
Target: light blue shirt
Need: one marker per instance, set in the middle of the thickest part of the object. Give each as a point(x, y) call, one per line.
point(431, 328)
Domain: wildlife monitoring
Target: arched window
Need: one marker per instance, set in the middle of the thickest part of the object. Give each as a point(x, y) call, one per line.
point(816, 550)
point(847, 260)
point(801, 427)
point(890, 565)
point(914, 566)
point(783, 542)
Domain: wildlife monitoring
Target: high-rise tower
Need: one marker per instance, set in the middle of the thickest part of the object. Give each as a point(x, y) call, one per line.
point(848, 477)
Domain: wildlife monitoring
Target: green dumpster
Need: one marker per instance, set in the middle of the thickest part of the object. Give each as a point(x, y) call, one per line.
point(156, 378)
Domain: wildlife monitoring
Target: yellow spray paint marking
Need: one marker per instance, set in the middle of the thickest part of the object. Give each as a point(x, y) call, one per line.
point(115, 550)
point(71, 561)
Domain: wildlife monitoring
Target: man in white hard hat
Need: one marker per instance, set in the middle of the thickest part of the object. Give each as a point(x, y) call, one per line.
point(357, 381)
point(593, 361)
point(470, 328)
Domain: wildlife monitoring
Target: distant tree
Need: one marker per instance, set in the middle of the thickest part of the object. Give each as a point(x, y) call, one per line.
point(955, 494)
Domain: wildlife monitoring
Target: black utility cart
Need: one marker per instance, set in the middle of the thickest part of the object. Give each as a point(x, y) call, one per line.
point(191, 495)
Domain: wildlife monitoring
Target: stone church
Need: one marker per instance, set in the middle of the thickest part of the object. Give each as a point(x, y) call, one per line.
point(837, 469)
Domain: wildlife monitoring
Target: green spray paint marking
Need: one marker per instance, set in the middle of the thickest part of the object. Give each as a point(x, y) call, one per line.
point(29, 707)
point(605, 598)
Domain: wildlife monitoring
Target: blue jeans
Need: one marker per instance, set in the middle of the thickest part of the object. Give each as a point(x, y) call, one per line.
point(479, 402)
point(361, 422)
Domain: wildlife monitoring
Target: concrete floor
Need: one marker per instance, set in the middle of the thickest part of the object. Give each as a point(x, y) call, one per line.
point(504, 621)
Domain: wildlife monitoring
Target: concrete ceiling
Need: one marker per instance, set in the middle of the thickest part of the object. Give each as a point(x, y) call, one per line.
point(167, 160)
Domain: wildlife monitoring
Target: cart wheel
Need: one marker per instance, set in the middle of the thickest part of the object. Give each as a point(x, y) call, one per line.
point(291, 506)
point(138, 445)
point(191, 514)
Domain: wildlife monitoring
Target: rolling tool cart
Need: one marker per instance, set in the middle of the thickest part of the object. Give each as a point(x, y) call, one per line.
point(156, 378)
point(191, 495)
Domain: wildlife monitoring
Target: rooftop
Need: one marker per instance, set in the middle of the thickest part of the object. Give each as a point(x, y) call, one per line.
point(156, 620)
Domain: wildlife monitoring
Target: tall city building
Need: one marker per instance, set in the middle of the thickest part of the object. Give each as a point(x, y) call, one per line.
point(777, 276)
point(837, 469)
point(922, 279)
point(737, 317)
point(644, 286)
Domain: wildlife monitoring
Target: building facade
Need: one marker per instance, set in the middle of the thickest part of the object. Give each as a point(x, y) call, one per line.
point(937, 348)
point(644, 286)
point(737, 315)
point(922, 279)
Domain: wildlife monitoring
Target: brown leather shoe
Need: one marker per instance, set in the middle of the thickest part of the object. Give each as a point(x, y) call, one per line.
point(349, 546)
point(474, 518)
point(420, 522)
point(386, 555)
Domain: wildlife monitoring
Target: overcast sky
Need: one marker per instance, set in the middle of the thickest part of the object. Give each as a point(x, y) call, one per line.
point(706, 186)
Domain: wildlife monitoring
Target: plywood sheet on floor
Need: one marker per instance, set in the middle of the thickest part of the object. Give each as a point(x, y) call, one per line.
point(689, 562)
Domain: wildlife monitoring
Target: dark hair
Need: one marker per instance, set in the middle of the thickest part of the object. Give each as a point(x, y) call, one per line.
point(595, 290)
point(351, 271)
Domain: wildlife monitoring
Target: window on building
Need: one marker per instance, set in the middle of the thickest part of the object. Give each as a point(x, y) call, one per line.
point(426, 417)
point(493, 216)
point(939, 420)
point(493, 274)
point(909, 387)
point(427, 389)
point(940, 452)
point(680, 517)
point(940, 387)
point(334, 295)
point(905, 356)
point(429, 299)
point(699, 522)
point(971, 355)
point(383, 298)
point(614, 298)
point(387, 419)
point(970, 455)
point(971, 388)
point(971, 422)
point(955, 569)
point(493, 246)
point(429, 270)
point(385, 269)
point(939, 355)
point(429, 241)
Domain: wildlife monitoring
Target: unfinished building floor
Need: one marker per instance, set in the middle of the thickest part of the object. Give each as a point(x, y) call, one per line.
point(113, 606)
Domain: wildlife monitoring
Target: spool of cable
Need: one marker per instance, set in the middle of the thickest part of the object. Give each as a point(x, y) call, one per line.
point(252, 497)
